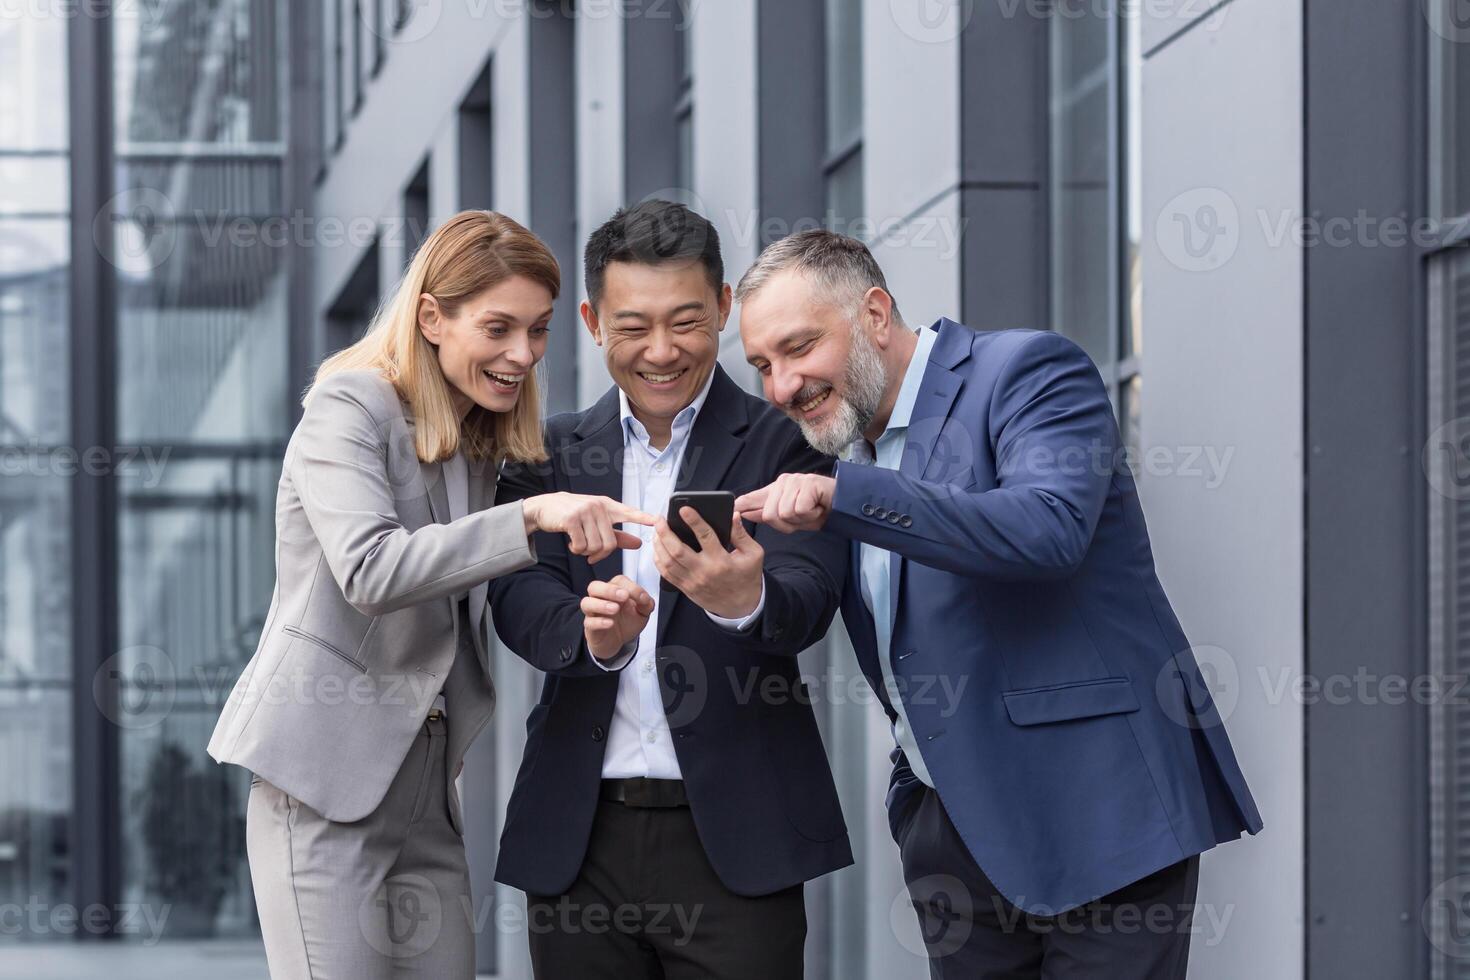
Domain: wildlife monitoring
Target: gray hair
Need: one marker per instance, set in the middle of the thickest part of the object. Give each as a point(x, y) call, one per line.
point(841, 268)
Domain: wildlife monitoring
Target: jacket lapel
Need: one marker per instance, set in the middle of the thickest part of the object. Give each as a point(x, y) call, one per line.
point(713, 444)
point(932, 449)
point(594, 465)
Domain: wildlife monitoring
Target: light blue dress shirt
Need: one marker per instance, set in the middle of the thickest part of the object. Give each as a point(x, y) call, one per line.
point(639, 742)
point(874, 562)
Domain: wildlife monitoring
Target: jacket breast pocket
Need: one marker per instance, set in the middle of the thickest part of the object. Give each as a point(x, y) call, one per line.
point(1068, 702)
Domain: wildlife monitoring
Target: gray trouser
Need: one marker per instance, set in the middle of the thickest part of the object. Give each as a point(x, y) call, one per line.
point(384, 897)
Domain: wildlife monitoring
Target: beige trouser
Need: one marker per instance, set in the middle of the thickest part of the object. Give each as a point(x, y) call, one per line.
point(384, 897)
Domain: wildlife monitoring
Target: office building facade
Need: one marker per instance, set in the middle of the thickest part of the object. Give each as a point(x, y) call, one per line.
point(1249, 213)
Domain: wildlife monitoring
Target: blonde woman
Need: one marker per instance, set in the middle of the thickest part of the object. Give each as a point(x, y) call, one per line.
point(371, 677)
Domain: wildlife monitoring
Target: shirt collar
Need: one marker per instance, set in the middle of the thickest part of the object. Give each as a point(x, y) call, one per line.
point(913, 380)
point(858, 451)
point(683, 422)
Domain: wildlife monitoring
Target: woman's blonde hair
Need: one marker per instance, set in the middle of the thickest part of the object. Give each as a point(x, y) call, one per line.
point(466, 255)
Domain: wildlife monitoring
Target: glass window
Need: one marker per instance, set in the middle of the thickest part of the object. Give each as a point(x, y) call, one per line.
point(1446, 462)
point(843, 168)
point(1096, 194)
point(1449, 93)
point(1083, 188)
point(35, 498)
point(844, 73)
point(330, 89)
point(684, 106)
point(201, 374)
point(1447, 465)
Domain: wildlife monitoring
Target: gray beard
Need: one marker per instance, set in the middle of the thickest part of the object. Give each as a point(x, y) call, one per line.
point(863, 388)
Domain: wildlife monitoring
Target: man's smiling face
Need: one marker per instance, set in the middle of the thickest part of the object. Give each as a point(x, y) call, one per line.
point(659, 329)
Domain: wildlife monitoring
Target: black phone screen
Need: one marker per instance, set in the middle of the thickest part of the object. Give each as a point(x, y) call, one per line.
point(716, 507)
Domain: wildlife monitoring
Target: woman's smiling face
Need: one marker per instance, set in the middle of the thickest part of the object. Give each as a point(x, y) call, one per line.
point(491, 343)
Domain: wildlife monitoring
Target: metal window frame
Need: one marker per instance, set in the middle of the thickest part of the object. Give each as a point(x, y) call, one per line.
point(1005, 163)
point(837, 154)
point(96, 813)
point(653, 96)
point(1366, 541)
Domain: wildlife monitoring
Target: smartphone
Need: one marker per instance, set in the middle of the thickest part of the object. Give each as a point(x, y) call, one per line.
point(717, 507)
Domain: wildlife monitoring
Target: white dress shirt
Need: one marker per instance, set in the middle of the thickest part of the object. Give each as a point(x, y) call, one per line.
point(638, 739)
point(874, 562)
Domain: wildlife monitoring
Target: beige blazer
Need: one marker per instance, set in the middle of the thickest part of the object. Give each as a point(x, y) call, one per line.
point(364, 628)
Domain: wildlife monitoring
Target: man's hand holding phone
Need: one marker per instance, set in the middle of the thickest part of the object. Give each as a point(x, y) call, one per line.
point(614, 614)
point(723, 583)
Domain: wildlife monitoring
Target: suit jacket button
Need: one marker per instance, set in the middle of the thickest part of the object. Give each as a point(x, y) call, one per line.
point(566, 653)
point(881, 513)
point(905, 521)
point(597, 733)
point(867, 510)
point(893, 518)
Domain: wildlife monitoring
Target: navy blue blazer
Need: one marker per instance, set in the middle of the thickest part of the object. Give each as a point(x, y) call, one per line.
point(1060, 711)
point(753, 763)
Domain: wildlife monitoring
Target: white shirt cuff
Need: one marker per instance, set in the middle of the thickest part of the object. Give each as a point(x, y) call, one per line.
point(619, 661)
point(745, 622)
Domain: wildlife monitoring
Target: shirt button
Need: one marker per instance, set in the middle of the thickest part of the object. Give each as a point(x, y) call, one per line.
point(652, 737)
point(648, 666)
point(659, 467)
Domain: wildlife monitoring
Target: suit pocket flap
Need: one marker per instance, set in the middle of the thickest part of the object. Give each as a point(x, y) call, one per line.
point(1111, 695)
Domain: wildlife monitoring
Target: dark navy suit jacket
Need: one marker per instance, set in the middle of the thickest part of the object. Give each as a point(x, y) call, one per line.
point(744, 732)
point(1083, 750)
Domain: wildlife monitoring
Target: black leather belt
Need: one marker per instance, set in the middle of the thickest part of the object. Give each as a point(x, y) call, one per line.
point(640, 791)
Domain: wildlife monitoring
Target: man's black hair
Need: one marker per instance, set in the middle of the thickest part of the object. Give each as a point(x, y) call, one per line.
point(652, 233)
